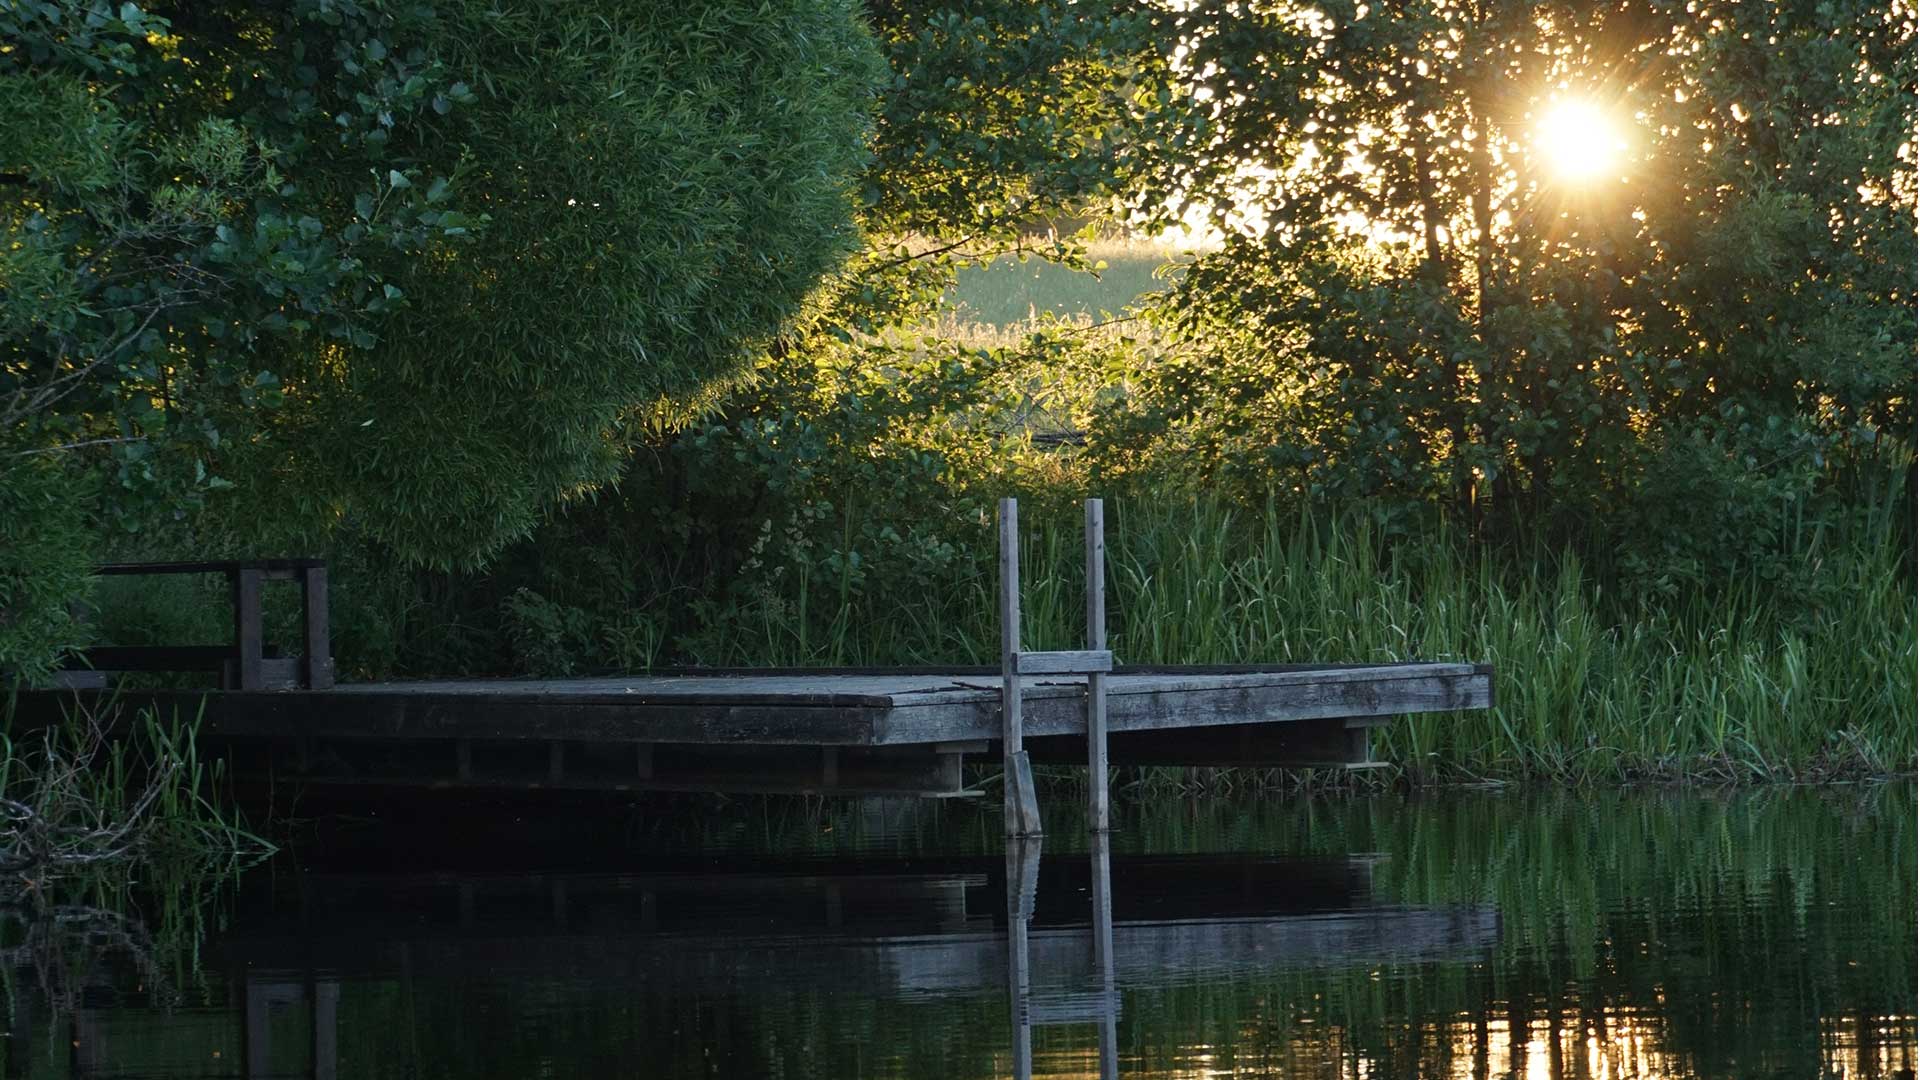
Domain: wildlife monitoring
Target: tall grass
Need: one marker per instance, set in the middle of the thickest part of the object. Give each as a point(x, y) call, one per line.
point(1734, 684)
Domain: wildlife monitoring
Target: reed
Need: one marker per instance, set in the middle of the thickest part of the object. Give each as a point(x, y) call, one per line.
point(1803, 678)
point(1736, 684)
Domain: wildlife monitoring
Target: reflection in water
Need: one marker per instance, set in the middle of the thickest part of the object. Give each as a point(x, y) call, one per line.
point(1609, 937)
point(1099, 1004)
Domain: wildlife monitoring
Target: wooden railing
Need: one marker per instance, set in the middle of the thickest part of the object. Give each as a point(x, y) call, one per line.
point(243, 664)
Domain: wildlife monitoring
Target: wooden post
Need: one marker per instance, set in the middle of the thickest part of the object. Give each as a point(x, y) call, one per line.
point(1097, 813)
point(1013, 752)
point(326, 1029)
point(248, 634)
point(316, 649)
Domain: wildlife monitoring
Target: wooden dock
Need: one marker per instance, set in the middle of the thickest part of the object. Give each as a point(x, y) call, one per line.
point(826, 731)
point(814, 731)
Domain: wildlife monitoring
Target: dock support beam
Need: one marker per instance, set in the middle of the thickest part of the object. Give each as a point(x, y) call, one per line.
point(248, 635)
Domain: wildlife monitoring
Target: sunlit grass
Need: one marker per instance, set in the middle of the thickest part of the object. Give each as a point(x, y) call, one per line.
point(1008, 292)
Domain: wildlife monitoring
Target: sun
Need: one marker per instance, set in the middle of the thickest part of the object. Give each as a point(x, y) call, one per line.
point(1578, 140)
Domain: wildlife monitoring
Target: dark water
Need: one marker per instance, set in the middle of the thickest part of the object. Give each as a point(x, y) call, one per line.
point(1767, 934)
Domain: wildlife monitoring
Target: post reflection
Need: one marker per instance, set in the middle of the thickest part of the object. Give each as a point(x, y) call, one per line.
point(1097, 1001)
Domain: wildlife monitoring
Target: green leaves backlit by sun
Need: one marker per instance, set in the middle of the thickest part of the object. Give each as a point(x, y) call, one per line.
point(1579, 141)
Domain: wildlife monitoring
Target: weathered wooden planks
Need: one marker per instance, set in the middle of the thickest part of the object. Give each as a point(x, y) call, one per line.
point(817, 709)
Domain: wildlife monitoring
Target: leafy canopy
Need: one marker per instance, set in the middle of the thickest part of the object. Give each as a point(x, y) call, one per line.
point(407, 267)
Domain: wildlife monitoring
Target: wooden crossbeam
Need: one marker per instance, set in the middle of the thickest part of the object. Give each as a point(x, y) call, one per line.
point(1063, 662)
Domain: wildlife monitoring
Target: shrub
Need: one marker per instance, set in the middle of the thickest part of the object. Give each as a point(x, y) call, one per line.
point(46, 559)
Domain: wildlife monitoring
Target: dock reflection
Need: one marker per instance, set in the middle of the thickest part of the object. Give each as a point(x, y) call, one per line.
point(306, 977)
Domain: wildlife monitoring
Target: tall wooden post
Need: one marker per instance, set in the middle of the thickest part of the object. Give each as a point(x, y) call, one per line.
point(1011, 748)
point(1023, 881)
point(1097, 816)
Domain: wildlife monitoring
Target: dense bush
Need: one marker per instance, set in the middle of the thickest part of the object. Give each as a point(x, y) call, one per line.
point(409, 269)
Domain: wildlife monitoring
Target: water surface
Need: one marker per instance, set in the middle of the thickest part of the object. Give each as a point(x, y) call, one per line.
point(1653, 934)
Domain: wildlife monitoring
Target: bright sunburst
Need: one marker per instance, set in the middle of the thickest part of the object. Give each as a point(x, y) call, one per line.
point(1578, 140)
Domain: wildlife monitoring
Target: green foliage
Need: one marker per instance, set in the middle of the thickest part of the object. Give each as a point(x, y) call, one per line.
point(627, 305)
point(406, 269)
point(168, 235)
point(753, 537)
point(1007, 127)
point(46, 559)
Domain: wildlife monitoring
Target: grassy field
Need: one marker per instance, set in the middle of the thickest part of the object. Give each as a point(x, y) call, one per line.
point(1009, 292)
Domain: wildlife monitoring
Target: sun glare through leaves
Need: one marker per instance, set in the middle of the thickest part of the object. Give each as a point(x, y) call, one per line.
point(1579, 141)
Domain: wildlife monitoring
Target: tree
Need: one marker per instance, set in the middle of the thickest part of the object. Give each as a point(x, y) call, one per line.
point(1422, 293)
point(408, 270)
point(665, 188)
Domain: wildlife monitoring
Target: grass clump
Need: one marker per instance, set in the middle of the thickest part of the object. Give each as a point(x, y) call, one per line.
point(100, 791)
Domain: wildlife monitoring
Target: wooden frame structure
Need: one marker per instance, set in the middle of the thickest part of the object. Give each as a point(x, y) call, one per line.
point(1095, 662)
point(243, 664)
